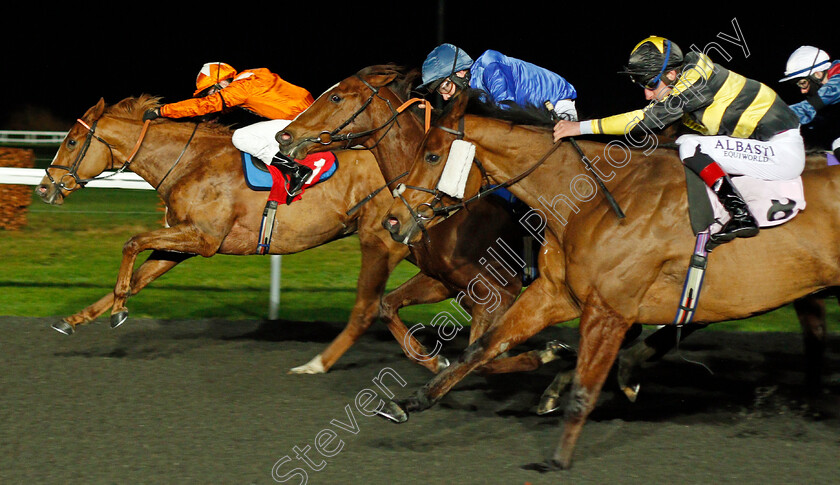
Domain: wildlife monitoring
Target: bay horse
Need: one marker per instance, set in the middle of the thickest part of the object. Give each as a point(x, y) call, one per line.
point(610, 272)
point(367, 110)
point(210, 209)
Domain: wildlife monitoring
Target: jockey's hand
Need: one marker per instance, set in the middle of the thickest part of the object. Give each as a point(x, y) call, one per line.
point(151, 114)
point(565, 128)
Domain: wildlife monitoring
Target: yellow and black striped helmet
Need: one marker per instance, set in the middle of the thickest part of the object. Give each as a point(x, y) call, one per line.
point(650, 59)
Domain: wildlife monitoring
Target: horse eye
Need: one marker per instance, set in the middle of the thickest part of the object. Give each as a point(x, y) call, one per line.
point(432, 158)
point(335, 98)
point(71, 143)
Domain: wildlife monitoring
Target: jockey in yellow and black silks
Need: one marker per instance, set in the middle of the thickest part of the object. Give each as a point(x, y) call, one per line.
point(744, 127)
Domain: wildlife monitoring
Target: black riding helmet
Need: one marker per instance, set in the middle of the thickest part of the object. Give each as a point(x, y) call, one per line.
point(651, 59)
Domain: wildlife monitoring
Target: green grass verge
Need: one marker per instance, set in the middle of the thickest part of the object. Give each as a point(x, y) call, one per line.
point(68, 256)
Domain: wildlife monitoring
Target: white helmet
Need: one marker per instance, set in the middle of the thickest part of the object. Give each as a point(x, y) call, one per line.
point(805, 61)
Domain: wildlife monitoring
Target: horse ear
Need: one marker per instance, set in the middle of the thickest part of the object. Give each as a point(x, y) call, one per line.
point(95, 111)
point(379, 80)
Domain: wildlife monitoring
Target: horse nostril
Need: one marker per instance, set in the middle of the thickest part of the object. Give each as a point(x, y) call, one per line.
point(284, 138)
point(392, 224)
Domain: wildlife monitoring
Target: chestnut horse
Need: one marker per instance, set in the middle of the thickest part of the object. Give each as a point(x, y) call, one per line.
point(210, 209)
point(610, 272)
point(367, 110)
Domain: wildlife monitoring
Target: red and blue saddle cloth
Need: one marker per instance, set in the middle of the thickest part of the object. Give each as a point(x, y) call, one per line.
point(260, 177)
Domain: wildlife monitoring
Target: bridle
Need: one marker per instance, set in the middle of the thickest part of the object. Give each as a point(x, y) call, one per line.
point(329, 137)
point(427, 211)
point(72, 170)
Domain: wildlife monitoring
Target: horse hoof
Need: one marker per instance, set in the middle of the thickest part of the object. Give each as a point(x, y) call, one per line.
point(443, 363)
point(550, 465)
point(63, 327)
point(393, 412)
point(314, 366)
point(632, 392)
point(119, 318)
point(556, 350)
point(548, 404)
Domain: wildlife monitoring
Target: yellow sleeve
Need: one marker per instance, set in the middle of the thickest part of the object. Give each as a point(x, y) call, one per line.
point(617, 124)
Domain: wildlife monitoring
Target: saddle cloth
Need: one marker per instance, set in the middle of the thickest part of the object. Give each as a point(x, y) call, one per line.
point(262, 178)
point(771, 202)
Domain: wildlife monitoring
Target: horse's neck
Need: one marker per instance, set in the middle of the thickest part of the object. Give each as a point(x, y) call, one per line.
point(506, 155)
point(159, 149)
point(395, 151)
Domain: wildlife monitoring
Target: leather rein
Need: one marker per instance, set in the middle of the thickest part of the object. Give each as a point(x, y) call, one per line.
point(429, 210)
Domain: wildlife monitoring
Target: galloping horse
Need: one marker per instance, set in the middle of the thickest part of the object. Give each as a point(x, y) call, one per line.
point(611, 272)
point(211, 210)
point(371, 103)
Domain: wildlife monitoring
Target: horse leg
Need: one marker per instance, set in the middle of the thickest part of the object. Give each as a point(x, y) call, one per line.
point(653, 347)
point(420, 289)
point(180, 238)
point(811, 313)
point(602, 330)
point(379, 258)
point(541, 305)
point(158, 263)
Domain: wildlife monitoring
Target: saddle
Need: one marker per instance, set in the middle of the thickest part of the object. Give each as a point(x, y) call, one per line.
point(260, 177)
point(771, 202)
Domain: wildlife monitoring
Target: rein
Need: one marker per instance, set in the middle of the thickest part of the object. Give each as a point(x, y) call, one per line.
point(422, 212)
point(328, 137)
point(179, 157)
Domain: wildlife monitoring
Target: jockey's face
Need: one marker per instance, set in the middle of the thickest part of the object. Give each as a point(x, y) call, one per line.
point(805, 84)
point(448, 88)
point(661, 90)
point(218, 87)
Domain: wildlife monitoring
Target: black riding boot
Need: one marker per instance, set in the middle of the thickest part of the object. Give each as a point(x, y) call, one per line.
point(742, 223)
point(298, 173)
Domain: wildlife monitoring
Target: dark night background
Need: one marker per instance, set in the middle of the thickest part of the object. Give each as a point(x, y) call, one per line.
point(62, 60)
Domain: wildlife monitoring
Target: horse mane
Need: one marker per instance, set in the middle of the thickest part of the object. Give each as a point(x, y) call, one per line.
point(133, 109)
point(404, 82)
point(480, 104)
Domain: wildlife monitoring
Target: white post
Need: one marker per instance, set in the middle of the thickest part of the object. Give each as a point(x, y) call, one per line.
point(274, 291)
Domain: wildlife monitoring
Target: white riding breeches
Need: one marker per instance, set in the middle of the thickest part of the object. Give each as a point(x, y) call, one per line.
point(779, 158)
point(258, 139)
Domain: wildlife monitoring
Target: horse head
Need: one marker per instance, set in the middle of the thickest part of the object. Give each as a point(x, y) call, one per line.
point(421, 201)
point(356, 111)
point(65, 171)
point(85, 152)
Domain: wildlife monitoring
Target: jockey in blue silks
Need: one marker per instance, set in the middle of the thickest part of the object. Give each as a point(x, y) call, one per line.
point(505, 79)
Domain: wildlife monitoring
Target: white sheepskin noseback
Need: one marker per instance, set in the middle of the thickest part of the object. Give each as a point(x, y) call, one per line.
point(453, 180)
